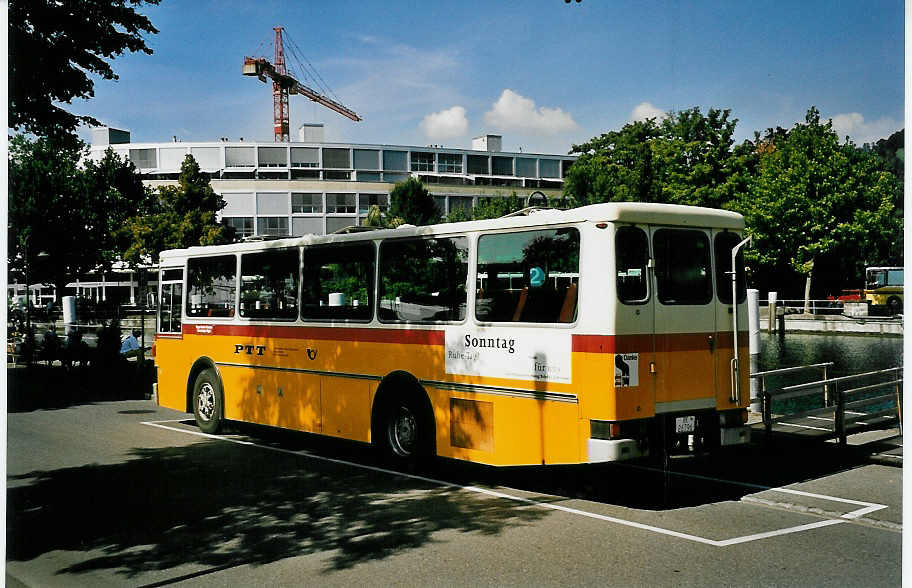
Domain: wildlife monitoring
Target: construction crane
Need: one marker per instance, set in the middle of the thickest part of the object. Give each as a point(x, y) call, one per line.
point(283, 85)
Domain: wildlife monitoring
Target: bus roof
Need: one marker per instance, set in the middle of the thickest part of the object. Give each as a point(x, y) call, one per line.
point(622, 212)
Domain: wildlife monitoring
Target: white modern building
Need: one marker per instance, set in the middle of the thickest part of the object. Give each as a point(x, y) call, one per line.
point(311, 186)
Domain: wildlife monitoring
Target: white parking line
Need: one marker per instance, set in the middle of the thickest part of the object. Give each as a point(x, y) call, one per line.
point(868, 507)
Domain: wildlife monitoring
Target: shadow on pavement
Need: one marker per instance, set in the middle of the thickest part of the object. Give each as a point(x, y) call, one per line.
point(44, 387)
point(212, 505)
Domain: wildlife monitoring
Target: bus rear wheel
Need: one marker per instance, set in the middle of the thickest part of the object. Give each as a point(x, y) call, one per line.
point(895, 305)
point(208, 401)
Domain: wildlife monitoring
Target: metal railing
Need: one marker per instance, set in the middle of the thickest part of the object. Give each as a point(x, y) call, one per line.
point(841, 404)
point(784, 372)
point(816, 306)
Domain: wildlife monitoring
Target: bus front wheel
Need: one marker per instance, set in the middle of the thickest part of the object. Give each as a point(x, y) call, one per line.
point(207, 401)
point(895, 305)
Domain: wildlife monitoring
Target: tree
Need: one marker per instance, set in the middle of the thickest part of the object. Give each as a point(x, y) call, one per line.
point(686, 158)
point(816, 203)
point(412, 202)
point(63, 213)
point(55, 46)
point(183, 216)
point(115, 194)
point(46, 196)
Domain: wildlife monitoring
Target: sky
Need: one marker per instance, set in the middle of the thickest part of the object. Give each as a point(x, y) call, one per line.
point(544, 74)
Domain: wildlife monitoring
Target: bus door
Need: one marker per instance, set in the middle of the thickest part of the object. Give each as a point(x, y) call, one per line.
point(685, 322)
point(634, 323)
point(723, 242)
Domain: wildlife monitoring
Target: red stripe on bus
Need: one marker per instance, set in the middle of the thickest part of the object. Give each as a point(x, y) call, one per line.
point(404, 336)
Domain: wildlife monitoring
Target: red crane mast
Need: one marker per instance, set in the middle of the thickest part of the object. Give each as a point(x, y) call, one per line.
point(283, 85)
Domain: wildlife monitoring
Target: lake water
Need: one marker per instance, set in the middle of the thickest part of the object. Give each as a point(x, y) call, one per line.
point(851, 354)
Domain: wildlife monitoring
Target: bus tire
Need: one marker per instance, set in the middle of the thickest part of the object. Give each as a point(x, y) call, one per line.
point(404, 432)
point(895, 305)
point(208, 401)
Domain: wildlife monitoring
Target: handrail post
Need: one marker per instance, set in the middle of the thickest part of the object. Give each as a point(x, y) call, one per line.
point(767, 412)
point(899, 404)
point(826, 389)
point(839, 425)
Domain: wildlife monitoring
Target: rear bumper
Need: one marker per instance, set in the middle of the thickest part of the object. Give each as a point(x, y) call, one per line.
point(602, 450)
point(734, 435)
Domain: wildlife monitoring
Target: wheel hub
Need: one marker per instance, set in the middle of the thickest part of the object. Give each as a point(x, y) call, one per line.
point(205, 402)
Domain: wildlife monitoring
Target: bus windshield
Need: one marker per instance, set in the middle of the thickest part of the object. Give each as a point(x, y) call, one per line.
point(882, 277)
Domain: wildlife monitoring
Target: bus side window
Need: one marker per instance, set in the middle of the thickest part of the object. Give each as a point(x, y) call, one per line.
point(338, 282)
point(631, 247)
point(423, 280)
point(529, 276)
point(211, 283)
point(269, 284)
point(170, 299)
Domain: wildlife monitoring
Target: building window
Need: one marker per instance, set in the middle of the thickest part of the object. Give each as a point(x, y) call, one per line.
point(305, 157)
point(463, 203)
point(240, 157)
point(269, 284)
point(549, 168)
point(305, 203)
point(272, 202)
point(272, 156)
point(422, 161)
point(565, 165)
point(144, 158)
point(503, 166)
point(340, 203)
point(211, 282)
point(450, 163)
point(367, 159)
point(272, 226)
point(423, 280)
point(337, 175)
point(338, 283)
point(336, 158)
point(365, 201)
point(394, 178)
point(368, 176)
point(243, 225)
point(478, 164)
point(395, 160)
point(525, 167)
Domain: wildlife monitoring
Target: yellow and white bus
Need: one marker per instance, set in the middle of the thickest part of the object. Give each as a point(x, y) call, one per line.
point(554, 337)
point(884, 287)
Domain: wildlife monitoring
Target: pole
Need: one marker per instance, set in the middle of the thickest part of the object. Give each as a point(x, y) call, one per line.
point(735, 372)
point(771, 311)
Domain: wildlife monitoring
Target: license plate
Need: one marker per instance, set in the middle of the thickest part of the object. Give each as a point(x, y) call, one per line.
point(686, 424)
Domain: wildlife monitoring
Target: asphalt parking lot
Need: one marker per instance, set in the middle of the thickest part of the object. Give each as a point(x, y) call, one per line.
point(127, 493)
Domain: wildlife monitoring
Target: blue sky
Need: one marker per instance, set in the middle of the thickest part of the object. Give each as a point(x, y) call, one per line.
point(543, 73)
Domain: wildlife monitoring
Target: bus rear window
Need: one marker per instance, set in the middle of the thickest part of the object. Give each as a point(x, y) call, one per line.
point(528, 276)
point(632, 255)
point(211, 282)
point(683, 270)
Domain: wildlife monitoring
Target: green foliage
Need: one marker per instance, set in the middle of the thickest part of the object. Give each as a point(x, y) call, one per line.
point(816, 203)
point(184, 216)
point(412, 202)
point(686, 158)
point(54, 49)
point(63, 214)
